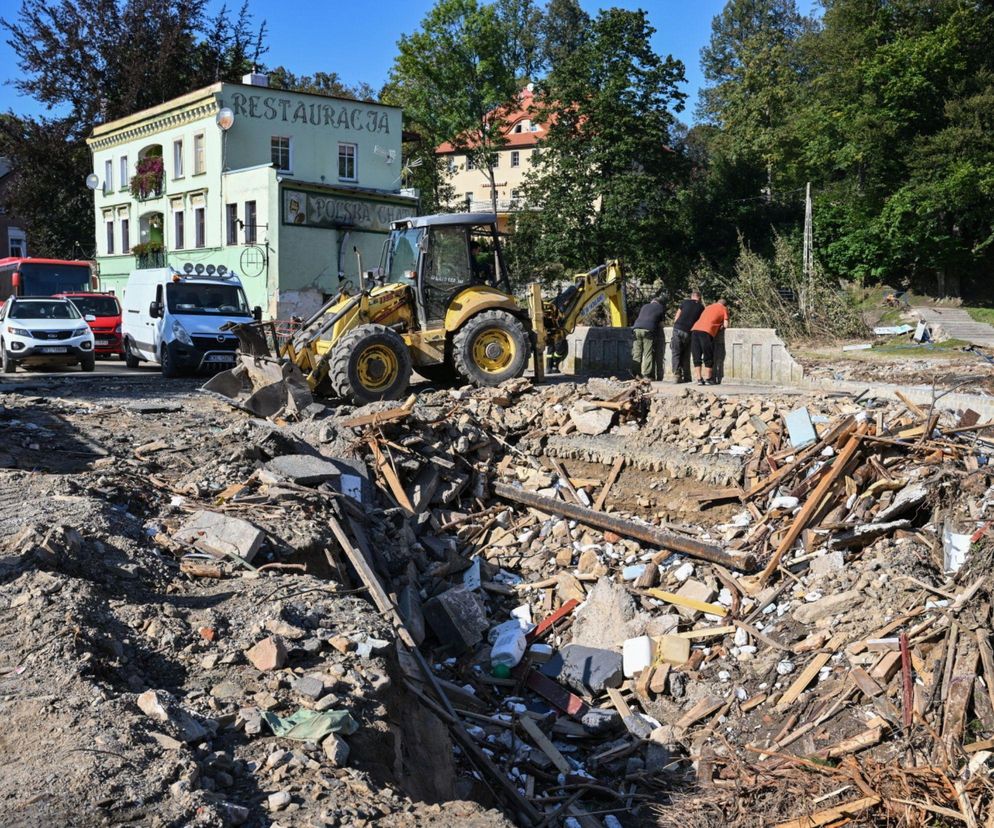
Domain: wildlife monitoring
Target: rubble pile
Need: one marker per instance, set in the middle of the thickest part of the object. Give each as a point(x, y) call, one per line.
point(583, 604)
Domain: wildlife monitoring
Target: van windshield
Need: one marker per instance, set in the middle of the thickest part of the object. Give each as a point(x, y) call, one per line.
point(188, 298)
point(96, 305)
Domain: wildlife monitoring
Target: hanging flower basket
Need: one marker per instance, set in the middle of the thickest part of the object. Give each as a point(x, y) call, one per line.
point(147, 180)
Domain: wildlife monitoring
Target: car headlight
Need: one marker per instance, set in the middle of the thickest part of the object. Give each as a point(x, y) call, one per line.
point(117, 330)
point(81, 331)
point(180, 333)
point(18, 331)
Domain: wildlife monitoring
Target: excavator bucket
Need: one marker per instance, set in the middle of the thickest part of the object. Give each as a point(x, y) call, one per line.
point(260, 383)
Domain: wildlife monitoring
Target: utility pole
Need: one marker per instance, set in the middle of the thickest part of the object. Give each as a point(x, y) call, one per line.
point(808, 263)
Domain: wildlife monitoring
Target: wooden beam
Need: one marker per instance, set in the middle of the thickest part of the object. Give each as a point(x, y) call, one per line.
point(380, 417)
point(386, 469)
point(832, 815)
point(529, 725)
point(611, 478)
point(808, 673)
point(687, 603)
point(811, 506)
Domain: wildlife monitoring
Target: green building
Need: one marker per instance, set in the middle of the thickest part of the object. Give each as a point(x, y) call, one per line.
point(292, 191)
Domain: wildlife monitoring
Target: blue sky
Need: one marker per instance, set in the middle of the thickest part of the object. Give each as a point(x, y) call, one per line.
point(359, 43)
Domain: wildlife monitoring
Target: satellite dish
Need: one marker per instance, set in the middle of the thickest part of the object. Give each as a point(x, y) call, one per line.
point(225, 119)
point(253, 261)
point(92, 181)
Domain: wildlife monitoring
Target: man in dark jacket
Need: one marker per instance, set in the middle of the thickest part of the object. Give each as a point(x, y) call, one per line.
point(646, 330)
point(687, 314)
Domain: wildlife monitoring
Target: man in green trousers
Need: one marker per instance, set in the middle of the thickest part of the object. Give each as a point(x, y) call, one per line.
point(646, 331)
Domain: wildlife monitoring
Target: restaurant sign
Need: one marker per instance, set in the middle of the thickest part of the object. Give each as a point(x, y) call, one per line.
point(319, 210)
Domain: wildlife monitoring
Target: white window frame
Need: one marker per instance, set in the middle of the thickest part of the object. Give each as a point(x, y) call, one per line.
point(109, 229)
point(355, 161)
point(124, 173)
point(289, 152)
point(251, 229)
point(470, 164)
point(16, 234)
point(515, 158)
point(231, 223)
point(109, 175)
point(178, 158)
point(200, 158)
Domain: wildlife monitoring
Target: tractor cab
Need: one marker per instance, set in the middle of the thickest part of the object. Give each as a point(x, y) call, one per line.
point(440, 256)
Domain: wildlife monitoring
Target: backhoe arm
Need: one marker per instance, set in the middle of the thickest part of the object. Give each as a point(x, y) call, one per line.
point(589, 291)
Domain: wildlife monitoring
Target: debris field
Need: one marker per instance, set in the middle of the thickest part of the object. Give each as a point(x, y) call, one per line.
point(582, 604)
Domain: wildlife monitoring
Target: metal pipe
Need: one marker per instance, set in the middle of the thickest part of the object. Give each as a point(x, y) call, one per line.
point(744, 561)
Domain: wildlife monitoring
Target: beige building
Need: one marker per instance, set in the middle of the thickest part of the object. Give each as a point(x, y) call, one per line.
point(471, 186)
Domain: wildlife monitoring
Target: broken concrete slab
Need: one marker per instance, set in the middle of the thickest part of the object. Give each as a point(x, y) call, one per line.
point(336, 750)
point(827, 606)
point(302, 469)
point(591, 419)
point(162, 707)
point(588, 670)
point(608, 617)
point(221, 535)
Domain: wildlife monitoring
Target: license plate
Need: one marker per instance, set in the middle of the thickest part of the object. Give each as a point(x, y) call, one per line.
point(103, 342)
point(219, 358)
point(53, 350)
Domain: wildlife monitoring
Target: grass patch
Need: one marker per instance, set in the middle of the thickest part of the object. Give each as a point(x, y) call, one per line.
point(981, 314)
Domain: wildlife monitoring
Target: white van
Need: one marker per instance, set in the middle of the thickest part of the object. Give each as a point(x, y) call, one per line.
point(175, 318)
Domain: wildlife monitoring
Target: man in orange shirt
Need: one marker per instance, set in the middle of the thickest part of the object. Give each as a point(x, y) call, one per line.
point(706, 328)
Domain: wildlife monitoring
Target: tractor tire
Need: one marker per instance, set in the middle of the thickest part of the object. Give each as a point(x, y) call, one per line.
point(370, 363)
point(491, 348)
point(130, 359)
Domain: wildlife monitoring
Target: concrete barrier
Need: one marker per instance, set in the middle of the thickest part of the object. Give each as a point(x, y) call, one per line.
point(743, 354)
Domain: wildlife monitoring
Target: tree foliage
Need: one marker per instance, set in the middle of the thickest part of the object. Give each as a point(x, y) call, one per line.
point(607, 175)
point(320, 83)
point(97, 60)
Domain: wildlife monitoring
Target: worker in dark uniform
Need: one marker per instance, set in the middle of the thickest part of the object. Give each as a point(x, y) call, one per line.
point(687, 314)
point(479, 271)
point(646, 330)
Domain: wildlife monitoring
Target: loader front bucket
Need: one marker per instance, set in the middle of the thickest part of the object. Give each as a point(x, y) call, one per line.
point(263, 386)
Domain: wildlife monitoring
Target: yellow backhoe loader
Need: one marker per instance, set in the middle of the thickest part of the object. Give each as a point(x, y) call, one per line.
point(430, 307)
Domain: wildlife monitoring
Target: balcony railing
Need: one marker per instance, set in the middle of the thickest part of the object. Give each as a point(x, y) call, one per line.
point(504, 205)
point(153, 258)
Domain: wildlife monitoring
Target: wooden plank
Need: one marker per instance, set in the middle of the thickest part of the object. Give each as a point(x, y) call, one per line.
point(544, 743)
point(861, 741)
point(830, 815)
point(704, 707)
point(807, 513)
point(974, 747)
point(960, 693)
point(987, 659)
point(707, 632)
point(386, 469)
point(547, 623)
point(808, 674)
point(915, 409)
point(380, 417)
point(564, 478)
point(611, 478)
point(687, 603)
point(371, 582)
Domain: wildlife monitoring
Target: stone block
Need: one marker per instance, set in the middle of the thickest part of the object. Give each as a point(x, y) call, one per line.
point(591, 420)
point(219, 535)
point(588, 670)
point(458, 618)
point(268, 654)
point(302, 469)
point(336, 750)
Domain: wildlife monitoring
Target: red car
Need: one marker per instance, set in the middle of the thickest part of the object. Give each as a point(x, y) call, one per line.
point(102, 312)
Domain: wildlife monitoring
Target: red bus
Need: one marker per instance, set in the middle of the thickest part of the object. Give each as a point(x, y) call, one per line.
point(44, 277)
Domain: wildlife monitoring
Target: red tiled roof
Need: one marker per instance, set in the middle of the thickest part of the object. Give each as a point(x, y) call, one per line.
point(524, 110)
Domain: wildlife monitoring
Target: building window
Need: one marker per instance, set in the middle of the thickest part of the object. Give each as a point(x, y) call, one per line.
point(469, 200)
point(178, 241)
point(178, 159)
point(347, 162)
point(199, 159)
point(515, 158)
point(108, 176)
point(17, 243)
point(496, 160)
point(518, 127)
point(124, 172)
point(470, 163)
point(110, 237)
point(279, 150)
point(515, 195)
point(125, 236)
point(250, 234)
point(231, 216)
point(452, 165)
point(199, 227)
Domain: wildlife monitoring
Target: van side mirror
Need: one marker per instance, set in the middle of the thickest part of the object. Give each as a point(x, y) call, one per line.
point(155, 310)
point(257, 313)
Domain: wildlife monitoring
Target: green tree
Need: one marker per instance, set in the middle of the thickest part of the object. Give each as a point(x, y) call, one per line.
point(97, 60)
point(606, 174)
point(457, 76)
point(320, 83)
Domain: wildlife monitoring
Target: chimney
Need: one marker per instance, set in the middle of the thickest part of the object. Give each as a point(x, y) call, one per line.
point(256, 79)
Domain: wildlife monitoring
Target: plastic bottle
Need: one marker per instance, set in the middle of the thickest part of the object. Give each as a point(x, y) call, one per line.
point(509, 648)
